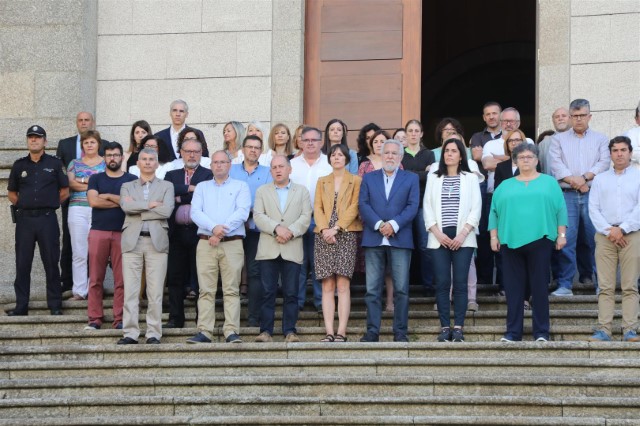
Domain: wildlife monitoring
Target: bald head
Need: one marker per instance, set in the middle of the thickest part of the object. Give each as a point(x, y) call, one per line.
point(560, 118)
point(85, 121)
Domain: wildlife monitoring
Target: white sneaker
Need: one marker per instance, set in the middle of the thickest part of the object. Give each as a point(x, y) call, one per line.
point(561, 291)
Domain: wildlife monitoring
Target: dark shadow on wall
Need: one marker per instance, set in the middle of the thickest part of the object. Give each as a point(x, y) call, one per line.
point(474, 52)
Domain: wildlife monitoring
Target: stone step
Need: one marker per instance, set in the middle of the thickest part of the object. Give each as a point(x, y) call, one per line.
point(500, 406)
point(490, 350)
point(487, 303)
point(306, 334)
point(357, 320)
point(316, 420)
point(171, 366)
point(328, 385)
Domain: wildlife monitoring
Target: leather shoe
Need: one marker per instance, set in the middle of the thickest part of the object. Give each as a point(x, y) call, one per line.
point(399, 337)
point(15, 313)
point(127, 341)
point(56, 311)
point(370, 337)
point(153, 341)
point(172, 324)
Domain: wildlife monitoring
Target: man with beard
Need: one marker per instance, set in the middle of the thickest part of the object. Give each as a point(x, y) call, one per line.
point(103, 194)
point(183, 233)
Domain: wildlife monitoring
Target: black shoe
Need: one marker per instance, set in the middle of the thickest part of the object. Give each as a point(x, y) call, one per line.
point(127, 341)
point(172, 324)
point(370, 337)
point(15, 313)
point(153, 341)
point(399, 337)
point(445, 335)
point(457, 335)
point(57, 311)
point(118, 326)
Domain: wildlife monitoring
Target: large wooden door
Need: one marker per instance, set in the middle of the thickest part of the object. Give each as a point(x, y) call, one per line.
point(362, 62)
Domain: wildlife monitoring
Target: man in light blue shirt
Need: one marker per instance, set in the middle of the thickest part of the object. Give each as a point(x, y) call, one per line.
point(614, 208)
point(220, 207)
point(255, 175)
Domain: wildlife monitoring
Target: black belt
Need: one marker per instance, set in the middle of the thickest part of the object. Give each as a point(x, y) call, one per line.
point(34, 212)
point(223, 239)
point(145, 234)
point(569, 190)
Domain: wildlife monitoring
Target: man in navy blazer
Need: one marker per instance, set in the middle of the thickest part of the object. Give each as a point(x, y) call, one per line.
point(388, 202)
point(179, 111)
point(183, 233)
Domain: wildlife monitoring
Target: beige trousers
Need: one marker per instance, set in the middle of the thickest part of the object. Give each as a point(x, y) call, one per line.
point(226, 258)
point(155, 264)
point(608, 257)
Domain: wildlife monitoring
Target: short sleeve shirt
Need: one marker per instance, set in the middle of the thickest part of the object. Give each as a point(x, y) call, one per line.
point(113, 218)
point(38, 184)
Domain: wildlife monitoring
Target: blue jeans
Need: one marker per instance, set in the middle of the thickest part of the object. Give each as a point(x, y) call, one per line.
point(578, 215)
point(308, 269)
point(444, 262)
point(270, 271)
point(377, 260)
point(421, 237)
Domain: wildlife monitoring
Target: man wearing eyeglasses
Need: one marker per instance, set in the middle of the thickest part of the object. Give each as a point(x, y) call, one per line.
point(255, 175)
point(577, 156)
point(306, 170)
point(103, 194)
point(219, 208)
point(183, 233)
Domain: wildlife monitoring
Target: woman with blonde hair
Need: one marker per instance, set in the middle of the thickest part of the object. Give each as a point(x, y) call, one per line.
point(280, 143)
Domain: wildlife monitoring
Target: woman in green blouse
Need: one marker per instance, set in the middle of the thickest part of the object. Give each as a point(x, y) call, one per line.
point(528, 215)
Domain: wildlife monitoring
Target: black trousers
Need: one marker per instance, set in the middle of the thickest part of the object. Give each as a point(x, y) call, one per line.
point(527, 264)
point(486, 258)
point(44, 230)
point(66, 256)
point(181, 271)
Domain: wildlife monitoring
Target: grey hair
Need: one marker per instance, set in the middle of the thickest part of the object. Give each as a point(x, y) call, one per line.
point(510, 109)
point(393, 142)
point(222, 151)
point(280, 156)
point(150, 151)
point(258, 124)
point(577, 104)
point(524, 147)
point(179, 101)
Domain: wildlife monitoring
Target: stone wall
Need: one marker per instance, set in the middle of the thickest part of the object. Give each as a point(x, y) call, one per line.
point(589, 49)
point(230, 60)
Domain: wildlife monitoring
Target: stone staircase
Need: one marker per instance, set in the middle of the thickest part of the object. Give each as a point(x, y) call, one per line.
point(54, 372)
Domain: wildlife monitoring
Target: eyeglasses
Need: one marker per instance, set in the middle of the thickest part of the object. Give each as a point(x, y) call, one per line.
point(526, 157)
point(112, 156)
point(514, 140)
point(509, 121)
point(580, 116)
point(219, 163)
point(252, 147)
point(311, 140)
point(192, 152)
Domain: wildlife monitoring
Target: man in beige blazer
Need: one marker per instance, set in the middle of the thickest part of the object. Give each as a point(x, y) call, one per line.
point(147, 203)
point(282, 212)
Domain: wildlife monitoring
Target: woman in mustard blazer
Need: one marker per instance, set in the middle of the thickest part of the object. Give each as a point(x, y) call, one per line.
point(336, 216)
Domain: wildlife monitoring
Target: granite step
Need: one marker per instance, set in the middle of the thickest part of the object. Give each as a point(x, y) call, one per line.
point(203, 406)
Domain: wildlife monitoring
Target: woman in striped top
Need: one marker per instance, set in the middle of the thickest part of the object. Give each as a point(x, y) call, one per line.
point(452, 206)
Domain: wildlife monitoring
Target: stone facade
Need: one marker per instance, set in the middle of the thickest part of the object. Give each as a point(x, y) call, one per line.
point(589, 49)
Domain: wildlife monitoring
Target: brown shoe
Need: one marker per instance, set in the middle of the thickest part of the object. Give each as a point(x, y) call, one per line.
point(264, 337)
point(291, 338)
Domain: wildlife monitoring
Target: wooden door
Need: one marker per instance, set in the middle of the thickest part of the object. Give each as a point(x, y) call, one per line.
point(362, 62)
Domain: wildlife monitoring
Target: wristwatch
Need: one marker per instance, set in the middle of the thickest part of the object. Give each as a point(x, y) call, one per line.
point(562, 235)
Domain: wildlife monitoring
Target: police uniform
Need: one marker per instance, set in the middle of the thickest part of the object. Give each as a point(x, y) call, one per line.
point(38, 186)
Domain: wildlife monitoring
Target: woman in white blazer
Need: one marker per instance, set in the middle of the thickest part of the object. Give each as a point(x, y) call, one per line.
point(452, 206)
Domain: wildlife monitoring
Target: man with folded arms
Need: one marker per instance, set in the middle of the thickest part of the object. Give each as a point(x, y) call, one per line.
point(220, 207)
point(614, 209)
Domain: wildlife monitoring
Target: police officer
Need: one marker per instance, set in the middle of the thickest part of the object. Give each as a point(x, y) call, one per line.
point(37, 185)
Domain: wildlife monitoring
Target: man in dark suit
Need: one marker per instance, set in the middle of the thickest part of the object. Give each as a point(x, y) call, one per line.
point(179, 111)
point(69, 149)
point(183, 233)
point(388, 202)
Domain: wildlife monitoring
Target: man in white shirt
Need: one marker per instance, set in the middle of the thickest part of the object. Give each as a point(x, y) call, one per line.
point(306, 170)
